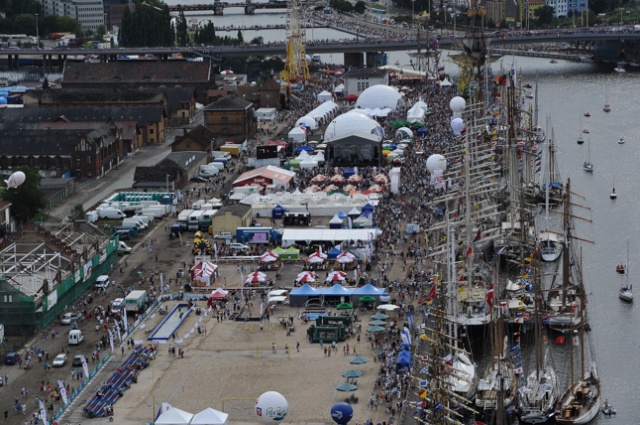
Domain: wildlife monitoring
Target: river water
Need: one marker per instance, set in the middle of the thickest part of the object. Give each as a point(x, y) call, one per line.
point(567, 91)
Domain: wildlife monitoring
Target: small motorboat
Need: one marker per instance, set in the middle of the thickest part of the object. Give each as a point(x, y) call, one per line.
point(528, 86)
point(620, 268)
point(586, 131)
point(553, 61)
point(608, 409)
point(626, 293)
point(606, 108)
point(613, 194)
point(588, 167)
point(619, 68)
point(528, 95)
point(580, 140)
point(587, 114)
point(621, 141)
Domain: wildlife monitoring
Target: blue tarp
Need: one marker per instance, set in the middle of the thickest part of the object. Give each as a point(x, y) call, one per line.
point(333, 253)
point(278, 211)
point(422, 131)
point(340, 214)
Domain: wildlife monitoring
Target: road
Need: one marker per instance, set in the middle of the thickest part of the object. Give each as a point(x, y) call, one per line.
point(90, 193)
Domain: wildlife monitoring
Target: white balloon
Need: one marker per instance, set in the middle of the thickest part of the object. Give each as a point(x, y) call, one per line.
point(457, 124)
point(436, 162)
point(457, 104)
point(15, 179)
point(271, 407)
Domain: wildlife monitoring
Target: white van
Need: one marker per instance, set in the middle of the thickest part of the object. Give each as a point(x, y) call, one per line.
point(218, 165)
point(110, 213)
point(75, 337)
point(132, 222)
point(146, 219)
point(220, 154)
point(157, 211)
point(124, 248)
point(102, 281)
point(183, 218)
point(208, 171)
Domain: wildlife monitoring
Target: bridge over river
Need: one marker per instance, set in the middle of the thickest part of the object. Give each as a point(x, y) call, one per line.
point(608, 47)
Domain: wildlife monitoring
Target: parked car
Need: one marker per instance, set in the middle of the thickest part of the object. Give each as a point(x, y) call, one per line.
point(238, 247)
point(11, 358)
point(60, 360)
point(223, 235)
point(77, 360)
point(69, 318)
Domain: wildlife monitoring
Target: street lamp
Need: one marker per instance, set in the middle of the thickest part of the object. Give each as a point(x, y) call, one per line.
point(167, 181)
point(37, 32)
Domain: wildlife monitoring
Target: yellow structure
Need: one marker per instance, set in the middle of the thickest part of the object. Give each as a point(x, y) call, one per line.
point(296, 68)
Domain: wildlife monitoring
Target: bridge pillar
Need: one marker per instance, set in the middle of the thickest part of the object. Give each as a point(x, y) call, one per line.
point(376, 59)
point(354, 60)
point(218, 9)
point(249, 10)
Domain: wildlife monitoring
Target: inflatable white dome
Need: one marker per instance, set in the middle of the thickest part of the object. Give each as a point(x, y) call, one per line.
point(352, 123)
point(359, 111)
point(379, 96)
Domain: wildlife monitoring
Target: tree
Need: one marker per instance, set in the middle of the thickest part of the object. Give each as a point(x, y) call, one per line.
point(101, 31)
point(45, 83)
point(544, 15)
point(257, 41)
point(240, 37)
point(28, 199)
point(181, 29)
point(77, 213)
point(360, 7)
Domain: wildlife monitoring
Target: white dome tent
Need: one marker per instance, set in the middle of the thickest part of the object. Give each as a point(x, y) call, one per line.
point(380, 96)
point(298, 135)
point(423, 105)
point(308, 121)
point(403, 132)
point(352, 123)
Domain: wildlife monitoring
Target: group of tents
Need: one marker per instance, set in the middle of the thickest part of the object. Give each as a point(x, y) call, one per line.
point(168, 415)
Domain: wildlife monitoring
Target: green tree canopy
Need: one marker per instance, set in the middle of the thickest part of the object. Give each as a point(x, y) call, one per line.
point(149, 26)
point(360, 7)
point(28, 199)
point(544, 15)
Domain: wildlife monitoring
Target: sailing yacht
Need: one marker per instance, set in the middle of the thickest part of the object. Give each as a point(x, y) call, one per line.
point(580, 403)
point(537, 398)
point(613, 194)
point(588, 166)
point(626, 289)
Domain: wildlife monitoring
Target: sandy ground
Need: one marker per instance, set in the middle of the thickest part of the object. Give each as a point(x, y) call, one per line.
point(230, 366)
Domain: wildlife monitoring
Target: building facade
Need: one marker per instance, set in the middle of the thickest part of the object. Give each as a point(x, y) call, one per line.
point(89, 13)
point(358, 80)
point(560, 7)
point(231, 118)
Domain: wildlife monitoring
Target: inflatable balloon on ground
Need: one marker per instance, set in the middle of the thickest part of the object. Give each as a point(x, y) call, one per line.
point(271, 407)
point(15, 180)
point(341, 413)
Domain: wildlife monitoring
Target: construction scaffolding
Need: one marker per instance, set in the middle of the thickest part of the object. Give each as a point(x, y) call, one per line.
point(47, 270)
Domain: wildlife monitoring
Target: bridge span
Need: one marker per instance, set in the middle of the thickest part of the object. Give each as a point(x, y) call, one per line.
point(616, 43)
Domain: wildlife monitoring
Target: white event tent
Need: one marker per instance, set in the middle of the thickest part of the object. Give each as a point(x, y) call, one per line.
point(174, 416)
point(210, 416)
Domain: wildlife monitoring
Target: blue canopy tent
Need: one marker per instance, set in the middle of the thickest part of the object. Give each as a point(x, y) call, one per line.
point(367, 208)
point(340, 214)
point(404, 360)
point(333, 253)
point(299, 296)
point(335, 222)
point(422, 131)
point(278, 211)
point(348, 173)
point(367, 290)
point(303, 148)
point(336, 290)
